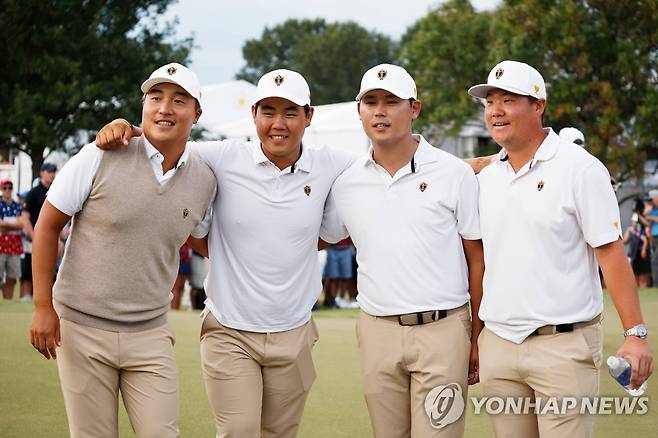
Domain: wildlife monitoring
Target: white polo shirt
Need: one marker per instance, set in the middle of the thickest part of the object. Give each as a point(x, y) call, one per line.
point(72, 186)
point(539, 228)
point(264, 274)
point(408, 230)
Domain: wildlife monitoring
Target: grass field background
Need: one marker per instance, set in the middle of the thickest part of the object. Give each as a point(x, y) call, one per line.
point(31, 403)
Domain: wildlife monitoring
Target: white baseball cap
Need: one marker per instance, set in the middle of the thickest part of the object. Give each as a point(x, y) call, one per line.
point(283, 83)
point(391, 78)
point(571, 135)
point(178, 74)
point(515, 77)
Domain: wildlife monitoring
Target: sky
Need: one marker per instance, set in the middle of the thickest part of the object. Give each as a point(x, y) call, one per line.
point(221, 27)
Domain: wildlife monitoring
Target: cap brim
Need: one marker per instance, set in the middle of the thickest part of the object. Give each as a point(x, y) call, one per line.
point(149, 83)
point(397, 93)
point(481, 90)
point(294, 99)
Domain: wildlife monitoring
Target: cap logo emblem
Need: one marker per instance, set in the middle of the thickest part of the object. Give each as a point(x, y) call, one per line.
point(616, 225)
point(171, 70)
point(186, 213)
point(278, 80)
point(307, 190)
point(499, 73)
point(536, 89)
point(422, 186)
point(381, 74)
point(540, 186)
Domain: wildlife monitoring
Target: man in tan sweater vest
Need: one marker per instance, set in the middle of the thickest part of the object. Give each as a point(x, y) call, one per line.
point(105, 317)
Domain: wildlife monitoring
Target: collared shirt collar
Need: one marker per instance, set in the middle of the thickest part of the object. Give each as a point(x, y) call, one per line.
point(546, 150)
point(423, 155)
point(153, 153)
point(303, 163)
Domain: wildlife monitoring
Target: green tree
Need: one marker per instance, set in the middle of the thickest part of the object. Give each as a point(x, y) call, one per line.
point(331, 56)
point(70, 66)
point(446, 52)
point(276, 47)
point(600, 61)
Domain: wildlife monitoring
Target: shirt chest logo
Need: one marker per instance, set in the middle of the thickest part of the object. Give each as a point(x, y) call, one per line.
point(186, 213)
point(540, 186)
point(423, 186)
point(307, 190)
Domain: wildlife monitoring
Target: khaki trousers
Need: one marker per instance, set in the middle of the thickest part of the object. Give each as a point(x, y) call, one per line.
point(94, 365)
point(563, 364)
point(257, 383)
point(402, 364)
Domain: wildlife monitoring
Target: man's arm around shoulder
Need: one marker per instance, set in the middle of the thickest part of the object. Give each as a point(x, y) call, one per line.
point(116, 134)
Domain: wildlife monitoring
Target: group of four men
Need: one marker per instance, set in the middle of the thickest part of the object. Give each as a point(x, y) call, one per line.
point(544, 211)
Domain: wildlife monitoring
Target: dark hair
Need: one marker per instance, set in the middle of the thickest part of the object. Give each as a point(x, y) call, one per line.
point(639, 206)
point(307, 108)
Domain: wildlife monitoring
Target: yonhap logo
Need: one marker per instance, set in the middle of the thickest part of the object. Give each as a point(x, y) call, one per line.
point(444, 405)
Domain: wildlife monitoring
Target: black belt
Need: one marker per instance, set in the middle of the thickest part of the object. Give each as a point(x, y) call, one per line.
point(563, 328)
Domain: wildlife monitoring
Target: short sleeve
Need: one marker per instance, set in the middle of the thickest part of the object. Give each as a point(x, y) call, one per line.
point(73, 182)
point(209, 151)
point(201, 230)
point(467, 213)
point(597, 211)
point(332, 229)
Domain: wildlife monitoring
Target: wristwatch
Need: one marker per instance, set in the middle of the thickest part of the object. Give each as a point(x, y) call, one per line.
point(639, 330)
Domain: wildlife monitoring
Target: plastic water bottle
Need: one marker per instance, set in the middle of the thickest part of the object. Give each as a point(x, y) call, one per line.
point(620, 370)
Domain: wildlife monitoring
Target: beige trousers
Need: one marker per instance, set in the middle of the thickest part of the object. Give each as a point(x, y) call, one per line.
point(95, 365)
point(404, 370)
point(559, 365)
point(257, 383)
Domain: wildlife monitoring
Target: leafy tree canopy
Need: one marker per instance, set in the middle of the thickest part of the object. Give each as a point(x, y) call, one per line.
point(73, 65)
point(599, 59)
point(331, 56)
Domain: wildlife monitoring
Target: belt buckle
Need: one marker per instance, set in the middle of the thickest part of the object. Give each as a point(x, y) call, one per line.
point(409, 319)
point(552, 329)
point(420, 318)
point(564, 328)
point(401, 321)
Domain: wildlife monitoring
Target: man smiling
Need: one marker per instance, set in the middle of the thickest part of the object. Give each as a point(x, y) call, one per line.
point(411, 211)
point(549, 218)
point(257, 331)
point(130, 213)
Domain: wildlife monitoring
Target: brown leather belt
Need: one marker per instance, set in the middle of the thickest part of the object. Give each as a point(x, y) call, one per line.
point(564, 328)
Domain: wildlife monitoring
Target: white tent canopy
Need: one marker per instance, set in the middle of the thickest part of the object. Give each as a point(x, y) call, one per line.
point(225, 102)
point(334, 125)
point(227, 113)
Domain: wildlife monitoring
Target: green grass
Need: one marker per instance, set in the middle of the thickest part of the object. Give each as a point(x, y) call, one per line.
point(32, 404)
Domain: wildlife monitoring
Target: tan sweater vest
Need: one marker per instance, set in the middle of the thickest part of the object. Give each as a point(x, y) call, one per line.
point(121, 258)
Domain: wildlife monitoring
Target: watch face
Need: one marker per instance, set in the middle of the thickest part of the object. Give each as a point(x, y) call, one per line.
point(641, 331)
